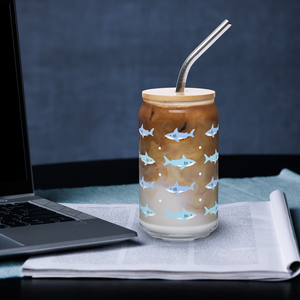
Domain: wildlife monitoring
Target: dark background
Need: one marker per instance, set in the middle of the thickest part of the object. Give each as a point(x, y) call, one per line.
point(86, 62)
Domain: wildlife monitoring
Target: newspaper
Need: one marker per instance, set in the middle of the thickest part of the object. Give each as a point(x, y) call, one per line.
point(254, 240)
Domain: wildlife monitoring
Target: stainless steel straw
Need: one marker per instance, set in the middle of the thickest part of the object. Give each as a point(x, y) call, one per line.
point(197, 53)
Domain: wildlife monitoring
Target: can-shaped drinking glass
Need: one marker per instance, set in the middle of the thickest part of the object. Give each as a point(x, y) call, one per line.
point(178, 163)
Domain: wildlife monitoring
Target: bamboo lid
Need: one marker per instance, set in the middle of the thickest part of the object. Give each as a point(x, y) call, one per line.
point(170, 95)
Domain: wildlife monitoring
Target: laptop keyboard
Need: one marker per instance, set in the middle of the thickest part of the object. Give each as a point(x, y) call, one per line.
point(27, 214)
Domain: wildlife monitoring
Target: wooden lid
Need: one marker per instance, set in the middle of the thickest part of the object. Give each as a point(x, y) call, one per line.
point(169, 95)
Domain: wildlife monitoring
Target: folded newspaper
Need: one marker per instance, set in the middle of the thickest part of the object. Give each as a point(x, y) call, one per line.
point(254, 240)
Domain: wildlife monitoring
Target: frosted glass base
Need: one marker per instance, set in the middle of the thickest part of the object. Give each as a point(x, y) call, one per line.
point(177, 233)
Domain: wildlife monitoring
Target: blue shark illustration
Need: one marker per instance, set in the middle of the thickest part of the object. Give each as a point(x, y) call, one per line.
point(146, 159)
point(212, 184)
point(147, 211)
point(183, 215)
point(182, 163)
point(146, 185)
point(145, 132)
point(212, 158)
point(212, 210)
point(177, 189)
point(212, 131)
point(175, 135)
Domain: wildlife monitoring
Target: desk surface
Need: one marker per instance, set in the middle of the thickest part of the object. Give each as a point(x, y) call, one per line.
point(103, 173)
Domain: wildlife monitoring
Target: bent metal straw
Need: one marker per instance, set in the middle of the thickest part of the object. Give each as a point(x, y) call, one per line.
point(224, 26)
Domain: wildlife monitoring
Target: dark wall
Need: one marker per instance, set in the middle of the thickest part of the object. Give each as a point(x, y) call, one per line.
point(85, 64)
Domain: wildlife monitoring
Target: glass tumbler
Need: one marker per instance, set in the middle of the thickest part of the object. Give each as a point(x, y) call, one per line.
point(178, 163)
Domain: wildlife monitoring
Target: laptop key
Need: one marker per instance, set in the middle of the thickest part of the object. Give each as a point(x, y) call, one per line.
point(27, 214)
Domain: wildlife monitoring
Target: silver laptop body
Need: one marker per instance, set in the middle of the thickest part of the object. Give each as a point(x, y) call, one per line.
point(25, 227)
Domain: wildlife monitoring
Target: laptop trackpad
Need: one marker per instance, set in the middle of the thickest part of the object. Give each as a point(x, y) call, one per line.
point(7, 243)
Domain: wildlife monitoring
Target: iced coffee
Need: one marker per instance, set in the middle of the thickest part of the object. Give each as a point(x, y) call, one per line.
point(178, 163)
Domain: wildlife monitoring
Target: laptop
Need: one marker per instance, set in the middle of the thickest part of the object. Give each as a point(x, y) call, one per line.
point(30, 225)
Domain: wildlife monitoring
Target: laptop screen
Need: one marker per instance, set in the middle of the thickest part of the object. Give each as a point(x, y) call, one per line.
point(15, 169)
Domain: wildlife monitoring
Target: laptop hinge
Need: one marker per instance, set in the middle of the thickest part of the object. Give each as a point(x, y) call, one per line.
point(10, 197)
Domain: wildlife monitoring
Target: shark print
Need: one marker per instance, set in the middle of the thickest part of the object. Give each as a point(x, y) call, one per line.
point(143, 132)
point(212, 184)
point(183, 215)
point(177, 189)
point(182, 163)
point(147, 211)
point(212, 158)
point(212, 131)
point(177, 136)
point(146, 185)
point(146, 159)
point(212, 210)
